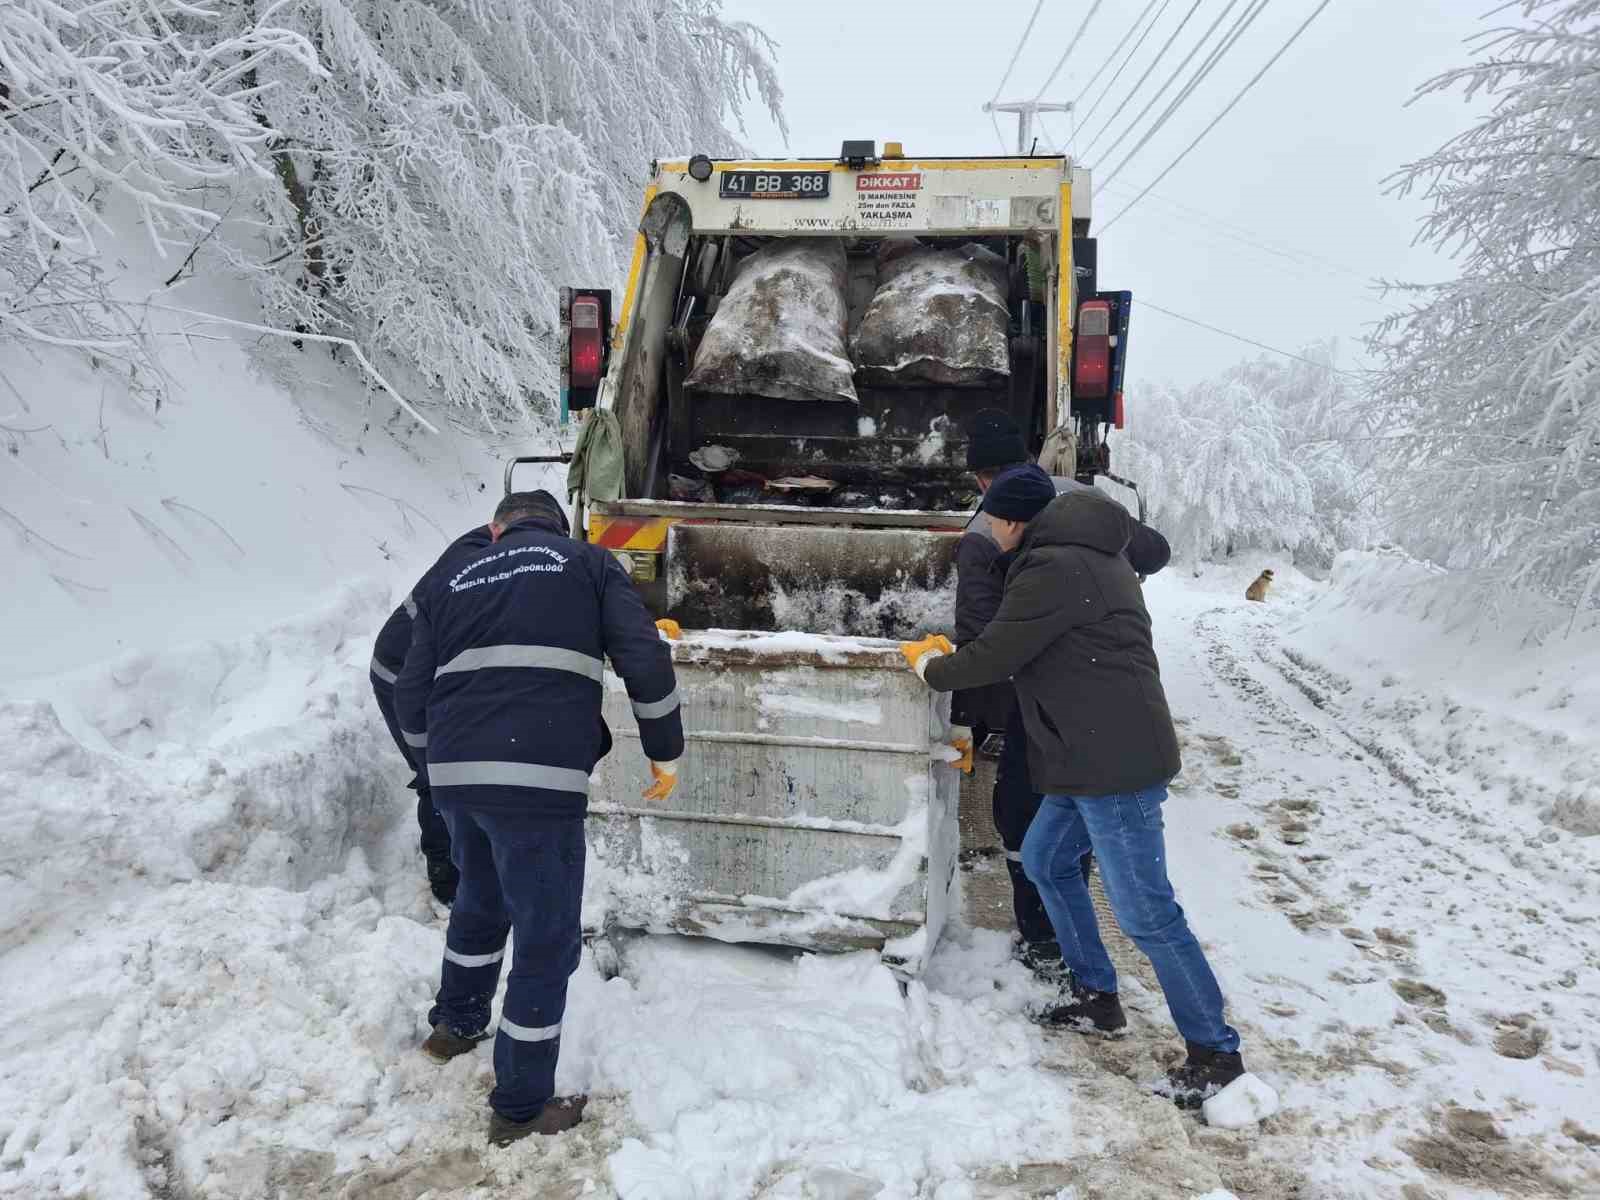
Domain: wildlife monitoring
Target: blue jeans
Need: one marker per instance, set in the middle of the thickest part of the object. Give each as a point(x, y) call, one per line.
point(522, 876)
point(1125, 833)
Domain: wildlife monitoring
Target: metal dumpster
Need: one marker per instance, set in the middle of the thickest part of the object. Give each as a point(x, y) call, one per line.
point(815, 808)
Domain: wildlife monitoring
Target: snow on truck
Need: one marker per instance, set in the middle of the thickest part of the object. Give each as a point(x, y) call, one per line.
point(774, 447)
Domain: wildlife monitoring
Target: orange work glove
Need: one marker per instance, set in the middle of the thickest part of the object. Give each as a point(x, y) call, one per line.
point(918, 654)
point(666, 778)
point(670, 629)
point(961, 739)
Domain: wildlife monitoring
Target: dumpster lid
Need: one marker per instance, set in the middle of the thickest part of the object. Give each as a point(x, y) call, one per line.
point(747, 647)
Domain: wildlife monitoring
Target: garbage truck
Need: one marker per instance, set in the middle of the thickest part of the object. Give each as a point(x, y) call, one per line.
point(773, 444)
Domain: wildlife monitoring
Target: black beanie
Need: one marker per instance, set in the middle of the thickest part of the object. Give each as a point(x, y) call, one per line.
point(521, 506)
point(1019, 494)
point(993, 440)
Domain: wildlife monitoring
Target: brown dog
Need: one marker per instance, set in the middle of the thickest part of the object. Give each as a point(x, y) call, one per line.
point(1258, 589)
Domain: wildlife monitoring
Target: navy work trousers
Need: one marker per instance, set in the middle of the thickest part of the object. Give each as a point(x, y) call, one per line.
point(522, 875)
point(435, 838)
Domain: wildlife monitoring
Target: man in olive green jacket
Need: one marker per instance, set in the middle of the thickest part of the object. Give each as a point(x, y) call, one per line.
point(1074, 636)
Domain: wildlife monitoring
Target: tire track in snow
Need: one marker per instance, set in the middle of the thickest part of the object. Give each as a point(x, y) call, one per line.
point(1363, 829)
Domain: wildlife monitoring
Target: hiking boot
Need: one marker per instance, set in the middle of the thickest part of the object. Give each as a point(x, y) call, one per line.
point(444, 1043)
point(1043, 959)
point(1202, 1076)
point(442, 880)
point(557, 1116)
point(1087, 1011)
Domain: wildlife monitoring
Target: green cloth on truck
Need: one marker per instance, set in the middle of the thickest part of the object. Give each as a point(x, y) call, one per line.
point(597, 460)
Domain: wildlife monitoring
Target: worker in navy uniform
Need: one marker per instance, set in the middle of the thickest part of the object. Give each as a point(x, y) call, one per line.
point(995, 445)
point(502, 690)
point(388, 656)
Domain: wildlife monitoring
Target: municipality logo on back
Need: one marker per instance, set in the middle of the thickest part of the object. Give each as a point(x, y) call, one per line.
point(553, 561)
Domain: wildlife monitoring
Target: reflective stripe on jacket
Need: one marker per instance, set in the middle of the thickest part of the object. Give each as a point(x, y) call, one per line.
point(502, 686)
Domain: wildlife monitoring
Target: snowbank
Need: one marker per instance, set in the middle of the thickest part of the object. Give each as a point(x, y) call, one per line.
point(1505, 698)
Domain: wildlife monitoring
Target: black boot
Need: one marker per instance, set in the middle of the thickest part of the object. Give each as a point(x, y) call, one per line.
point(442, 879)
point(1043, 959)
point(444, 1043)
point(1086, 1011)
point(1202, 1076)
point(557, 1116)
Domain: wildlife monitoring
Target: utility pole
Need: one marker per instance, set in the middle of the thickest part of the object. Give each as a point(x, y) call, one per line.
point(1025, 109)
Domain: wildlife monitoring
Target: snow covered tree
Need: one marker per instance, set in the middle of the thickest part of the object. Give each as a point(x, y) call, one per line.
point(1328, 432)
point(429, 172)
point(1266, 456)
point(1491, 380)
point(138, 104)
point(460, 160)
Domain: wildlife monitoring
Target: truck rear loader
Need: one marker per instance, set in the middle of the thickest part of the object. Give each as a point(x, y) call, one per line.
point(797, 537)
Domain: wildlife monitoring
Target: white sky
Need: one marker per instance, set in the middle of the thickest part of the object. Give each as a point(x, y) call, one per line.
point(1297, 165)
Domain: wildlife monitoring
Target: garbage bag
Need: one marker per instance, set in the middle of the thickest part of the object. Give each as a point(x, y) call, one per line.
point(938, 316)
point(780, 330)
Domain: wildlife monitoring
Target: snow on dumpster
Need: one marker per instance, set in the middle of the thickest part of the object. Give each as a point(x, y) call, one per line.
point(813, 808)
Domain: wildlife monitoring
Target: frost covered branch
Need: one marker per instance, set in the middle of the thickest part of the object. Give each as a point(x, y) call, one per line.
point(124, 103)
point(1495, 374)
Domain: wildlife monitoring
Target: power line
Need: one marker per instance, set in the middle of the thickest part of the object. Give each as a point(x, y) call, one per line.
point(1132, 54)
point(1071, 46)
point(1239, 337)
point(1134, 91)
point(1254, 79)
point(1000, 137)
point(1155, 96)
point(1015, 54)
point(1229, 41)
point(1106, 62)
point(1241, 233)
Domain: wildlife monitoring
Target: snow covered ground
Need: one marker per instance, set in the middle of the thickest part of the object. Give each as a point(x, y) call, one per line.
point(216, 948)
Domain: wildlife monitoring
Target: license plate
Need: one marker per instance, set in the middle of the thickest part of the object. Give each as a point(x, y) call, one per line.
point(774, 185)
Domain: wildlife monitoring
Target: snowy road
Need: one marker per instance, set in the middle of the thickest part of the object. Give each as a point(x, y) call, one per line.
point(218, 991)
point(1410, 947)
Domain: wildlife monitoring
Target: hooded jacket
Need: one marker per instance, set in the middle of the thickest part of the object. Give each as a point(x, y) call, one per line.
point(502, 686)
point(1073, 634)
point(980, 579)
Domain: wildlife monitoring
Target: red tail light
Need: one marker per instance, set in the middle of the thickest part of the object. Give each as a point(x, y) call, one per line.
point(1116, 411)
point(587, 349)
point(1091, 375)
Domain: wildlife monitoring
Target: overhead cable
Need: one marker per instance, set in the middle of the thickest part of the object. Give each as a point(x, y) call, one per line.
point(1155, 96)
point(1239, 337)
point(1232, 104)
point(1017, 53)
point(1071, 46)
point(1218, 53)
point(1131, 55)
point(1134, 91)
point(1108, 59)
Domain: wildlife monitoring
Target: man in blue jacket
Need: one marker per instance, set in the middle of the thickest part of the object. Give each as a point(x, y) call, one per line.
point(388, 656)
point(502, 691)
